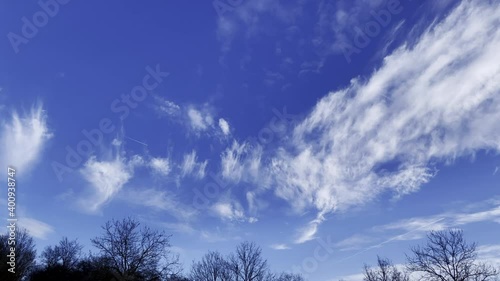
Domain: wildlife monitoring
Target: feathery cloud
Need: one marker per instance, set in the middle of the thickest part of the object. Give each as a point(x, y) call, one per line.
point(161, 166)
point(36, 228)
point(23, 139)
point(432, 101)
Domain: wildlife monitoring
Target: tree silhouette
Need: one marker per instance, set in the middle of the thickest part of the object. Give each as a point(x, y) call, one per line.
point(212, 267)
point(66, 253)
point(247, 264)
point(25, 256)
point(447, 256)
point(385, 271)
point(136, 253)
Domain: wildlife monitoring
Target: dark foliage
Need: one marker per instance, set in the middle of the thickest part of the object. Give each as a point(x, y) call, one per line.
point(25, 255)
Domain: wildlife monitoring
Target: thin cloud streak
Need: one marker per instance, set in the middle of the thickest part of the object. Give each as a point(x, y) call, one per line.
point(381, 135)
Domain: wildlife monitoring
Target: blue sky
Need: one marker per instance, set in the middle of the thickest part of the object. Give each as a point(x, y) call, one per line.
point(326, 131)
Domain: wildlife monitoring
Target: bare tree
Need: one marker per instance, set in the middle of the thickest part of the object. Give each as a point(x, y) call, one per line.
point(66, 254)
point(212, 267)
point(25, 255)
point(69, 252)
point(447, 256)
point(247, 264)
point(385, 271)
point(136, 253)
point(50, 256)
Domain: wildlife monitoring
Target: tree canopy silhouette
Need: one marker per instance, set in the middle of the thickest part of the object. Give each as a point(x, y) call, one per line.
point(25, 255)
point(135, 252)
point(448, 257)
point(385, 271)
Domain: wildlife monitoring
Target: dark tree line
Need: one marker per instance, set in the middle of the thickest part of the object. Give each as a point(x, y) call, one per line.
point(128, 251)
point(25, 255)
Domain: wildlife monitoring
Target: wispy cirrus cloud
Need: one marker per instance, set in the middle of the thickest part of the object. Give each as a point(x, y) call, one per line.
point(489, 254)
point(308, 232)
point(106, 176)
point(232, 161)
point(36, 228)
point(417, 227)
point(197, 119)
point(106, 179)
point(23, 138)
point(161, 200)
point(354, 242)
point(218, 234)
point(279, 247)
point(242, 161)
point(224, 126)
point(488, 212)
point(433, 101)
point(160, 166)
point(180, 227)
point(192, 167)
point(249, 20)
point(229, 211)
point(165, 107)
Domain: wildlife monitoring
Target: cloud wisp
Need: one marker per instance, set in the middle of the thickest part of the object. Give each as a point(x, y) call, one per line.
point(417, 227)
point(23, 139)
point(381, 134)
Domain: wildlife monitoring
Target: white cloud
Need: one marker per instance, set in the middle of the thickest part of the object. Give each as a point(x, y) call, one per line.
point(489, 254)
point(354, 242)
point(179, 227)
point(243, 162)
point(35, 228)
point(308, 232)
point(487, 249)
point(229, 211)
point(160, 166)
point(231, 161)
point(488, 215)
point(253, 219)
point(218, 235)
point(246, 19)
point(22, 139)
point(189, 163)
point(191, 166)
point(279, 247)
point(166, 107)
point(200, 120)
point(417, 227)
point(106, 179)
point(434, 101)
point(160, 200)
point(136, 161)
point(420, 225)
point(352, 277)
point(224, 126)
